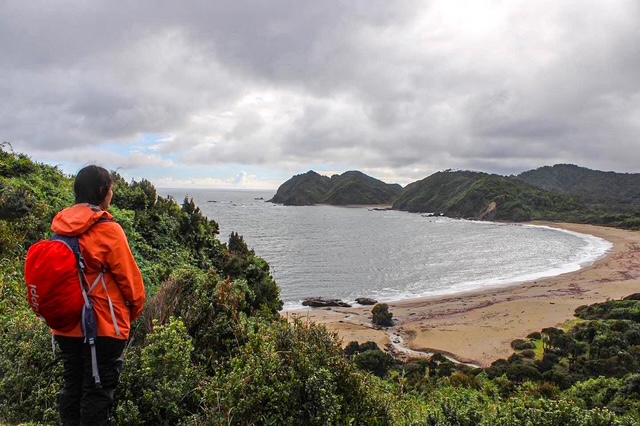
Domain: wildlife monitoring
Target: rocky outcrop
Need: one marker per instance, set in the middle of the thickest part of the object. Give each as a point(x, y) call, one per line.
point(366, 301)
point(321, 302)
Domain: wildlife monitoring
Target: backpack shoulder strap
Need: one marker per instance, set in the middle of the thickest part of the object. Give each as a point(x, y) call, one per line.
point(73, 243)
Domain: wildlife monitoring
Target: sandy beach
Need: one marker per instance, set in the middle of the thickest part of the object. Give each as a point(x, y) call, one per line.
point(478, 327)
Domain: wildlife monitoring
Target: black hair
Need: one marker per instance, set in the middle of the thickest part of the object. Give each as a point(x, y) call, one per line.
point(92, 185)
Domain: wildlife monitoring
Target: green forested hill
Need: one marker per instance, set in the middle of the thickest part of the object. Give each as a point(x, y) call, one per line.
point(483, 196)
point(561, 193)
point(305, 189)
point(355, 187)
point(615, 192)
point(352, 187)
point(212, 349)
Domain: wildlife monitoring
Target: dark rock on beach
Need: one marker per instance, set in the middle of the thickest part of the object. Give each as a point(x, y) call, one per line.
point(366, 301)
point(321, 302)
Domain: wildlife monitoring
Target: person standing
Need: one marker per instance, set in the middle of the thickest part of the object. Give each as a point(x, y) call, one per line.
point(118, 300)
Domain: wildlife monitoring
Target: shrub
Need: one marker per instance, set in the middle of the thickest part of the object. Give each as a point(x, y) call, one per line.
point(536, 335)
point(352, 348)
point(30, 376)
point(521, 344)
point(544, 412)
point(159, 384)
point(375, 362)
point(290, 374)
point(521, 372)
point(369, 346)
point(381, 315)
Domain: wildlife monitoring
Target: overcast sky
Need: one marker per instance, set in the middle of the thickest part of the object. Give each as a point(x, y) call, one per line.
point(246, 94)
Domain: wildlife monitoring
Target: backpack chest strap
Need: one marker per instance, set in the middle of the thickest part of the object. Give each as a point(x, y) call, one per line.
point(99, 280)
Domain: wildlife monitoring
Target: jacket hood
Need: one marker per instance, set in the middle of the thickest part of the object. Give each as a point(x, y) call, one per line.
point(77, 219)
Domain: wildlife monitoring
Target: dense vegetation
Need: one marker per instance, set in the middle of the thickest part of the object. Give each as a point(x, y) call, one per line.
point(302, 190)
point(211, 347)
point(351, 187)
point(484, 196)
point(613, 198)
point(613, 191)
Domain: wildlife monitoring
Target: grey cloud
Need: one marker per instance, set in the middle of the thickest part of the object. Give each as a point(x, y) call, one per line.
point(417, 86)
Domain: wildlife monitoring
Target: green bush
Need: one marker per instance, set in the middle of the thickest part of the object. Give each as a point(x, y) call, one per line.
point(290, 374)
point(521, 344)
point(30, 376)
point(381, 315)
point(159, 384)
point(545, 412)
point(375, 362)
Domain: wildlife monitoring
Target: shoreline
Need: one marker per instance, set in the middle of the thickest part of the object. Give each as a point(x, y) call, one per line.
point(478, 326)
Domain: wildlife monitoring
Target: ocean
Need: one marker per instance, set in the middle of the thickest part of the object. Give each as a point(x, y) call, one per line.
point(346, 253)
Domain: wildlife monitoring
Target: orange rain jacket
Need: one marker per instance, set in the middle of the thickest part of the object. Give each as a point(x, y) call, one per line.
point(105, 245)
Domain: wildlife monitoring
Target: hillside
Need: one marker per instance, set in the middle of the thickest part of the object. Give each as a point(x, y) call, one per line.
point(352, 187)
point(302, 190)
point(612, 191)
point(483, 196)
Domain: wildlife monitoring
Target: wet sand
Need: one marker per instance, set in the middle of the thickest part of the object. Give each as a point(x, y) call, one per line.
point(478, 327)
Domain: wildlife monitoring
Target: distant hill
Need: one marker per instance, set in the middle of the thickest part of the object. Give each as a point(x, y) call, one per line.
point(563, 192)
point(479, 195)
point(352, 187)
point(302, 190)
point(604, 190)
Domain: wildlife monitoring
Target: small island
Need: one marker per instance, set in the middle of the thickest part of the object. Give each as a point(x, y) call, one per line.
point(349, 188)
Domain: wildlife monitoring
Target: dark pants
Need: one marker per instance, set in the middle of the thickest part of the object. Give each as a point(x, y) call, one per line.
point(81, 402)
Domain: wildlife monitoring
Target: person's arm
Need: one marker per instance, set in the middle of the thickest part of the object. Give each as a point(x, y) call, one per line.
point(125, 270)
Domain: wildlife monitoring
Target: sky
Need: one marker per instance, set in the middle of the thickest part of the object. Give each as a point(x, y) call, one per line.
point(246, 94)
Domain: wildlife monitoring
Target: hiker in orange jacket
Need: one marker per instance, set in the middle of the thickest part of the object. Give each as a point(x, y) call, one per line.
point(117, 303)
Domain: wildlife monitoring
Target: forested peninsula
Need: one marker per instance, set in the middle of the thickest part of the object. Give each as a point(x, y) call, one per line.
point(350, 188)
point(213, 349)
point(563, 192)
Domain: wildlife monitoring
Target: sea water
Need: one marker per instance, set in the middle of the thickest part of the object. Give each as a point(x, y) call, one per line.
point(346, 253)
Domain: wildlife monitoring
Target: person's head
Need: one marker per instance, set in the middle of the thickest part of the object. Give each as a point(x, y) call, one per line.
point(94, 185)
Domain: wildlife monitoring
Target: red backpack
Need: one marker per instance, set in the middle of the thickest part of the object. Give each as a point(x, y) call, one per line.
point(54, 281)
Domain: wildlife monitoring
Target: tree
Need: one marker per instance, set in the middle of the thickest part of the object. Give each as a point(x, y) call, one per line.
point(381, 315)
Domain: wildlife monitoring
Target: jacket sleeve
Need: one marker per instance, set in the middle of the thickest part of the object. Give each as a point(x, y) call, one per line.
point(125, 270)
